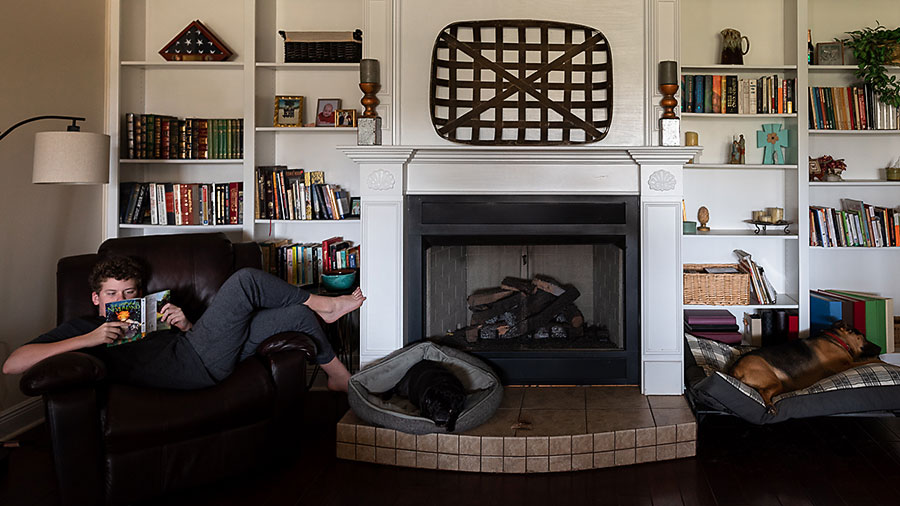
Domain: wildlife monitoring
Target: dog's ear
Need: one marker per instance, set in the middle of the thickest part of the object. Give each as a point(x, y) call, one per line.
point(838, 325)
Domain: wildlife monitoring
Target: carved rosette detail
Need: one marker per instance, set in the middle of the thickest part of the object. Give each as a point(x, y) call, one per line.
point(662, 181)
point(381, 180)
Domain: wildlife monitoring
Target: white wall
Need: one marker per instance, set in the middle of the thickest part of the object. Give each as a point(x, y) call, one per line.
point(53, 63)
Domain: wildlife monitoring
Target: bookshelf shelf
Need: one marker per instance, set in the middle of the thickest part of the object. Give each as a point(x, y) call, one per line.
point(774, 232)
point(738, 166)
point(817, 69)
point(860, 248)
point(858, 182)
point(709, 115)
point(307, 130)
point(177, 65)
point(782, 301)
point(853, 132)
point(307, 66)
point(194, 228)
point(146, 161)
point(345, 221)
point(737, 69)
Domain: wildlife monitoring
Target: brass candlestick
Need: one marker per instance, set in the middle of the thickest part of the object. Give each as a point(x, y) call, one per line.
point(668, 101)
point(370, 100)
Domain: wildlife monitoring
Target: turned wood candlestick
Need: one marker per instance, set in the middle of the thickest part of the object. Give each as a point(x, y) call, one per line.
point(668, 101)
point(370, 100)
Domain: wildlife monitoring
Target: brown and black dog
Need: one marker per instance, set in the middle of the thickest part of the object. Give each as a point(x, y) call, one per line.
point(800, 363)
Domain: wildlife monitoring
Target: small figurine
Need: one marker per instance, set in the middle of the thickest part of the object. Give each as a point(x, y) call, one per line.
point(703, 218)
point(742, 150)
point(735, 151)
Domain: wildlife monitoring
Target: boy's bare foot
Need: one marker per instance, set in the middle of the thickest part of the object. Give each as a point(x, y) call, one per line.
point(332, 308)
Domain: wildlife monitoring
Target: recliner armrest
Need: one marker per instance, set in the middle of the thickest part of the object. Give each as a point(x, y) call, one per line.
point(287, 341)
point(64, 371)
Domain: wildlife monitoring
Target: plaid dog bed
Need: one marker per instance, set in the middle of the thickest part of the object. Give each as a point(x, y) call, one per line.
point(867, 388)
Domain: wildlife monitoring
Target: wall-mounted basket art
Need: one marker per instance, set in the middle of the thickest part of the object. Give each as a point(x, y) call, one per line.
point(195, 43)
point(521, 82)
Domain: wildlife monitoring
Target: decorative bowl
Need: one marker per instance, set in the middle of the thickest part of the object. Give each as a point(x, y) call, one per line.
point(339, 281)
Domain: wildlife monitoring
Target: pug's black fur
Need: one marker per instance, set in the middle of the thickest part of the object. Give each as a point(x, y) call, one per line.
point(433, 389)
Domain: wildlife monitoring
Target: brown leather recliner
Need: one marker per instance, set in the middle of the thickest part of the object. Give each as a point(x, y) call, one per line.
point(115, 443)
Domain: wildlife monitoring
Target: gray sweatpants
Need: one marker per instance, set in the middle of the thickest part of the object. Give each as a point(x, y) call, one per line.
point(250, 307)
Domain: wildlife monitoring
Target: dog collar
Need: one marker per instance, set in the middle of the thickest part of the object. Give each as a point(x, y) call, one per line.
point(839, 341)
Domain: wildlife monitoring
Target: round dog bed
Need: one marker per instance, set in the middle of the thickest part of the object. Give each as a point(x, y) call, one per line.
point(483, 389)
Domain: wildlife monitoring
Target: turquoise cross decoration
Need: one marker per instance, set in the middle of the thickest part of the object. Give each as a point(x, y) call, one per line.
point(772, 137)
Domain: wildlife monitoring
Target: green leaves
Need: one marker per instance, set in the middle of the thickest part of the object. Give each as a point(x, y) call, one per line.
point(874, 48)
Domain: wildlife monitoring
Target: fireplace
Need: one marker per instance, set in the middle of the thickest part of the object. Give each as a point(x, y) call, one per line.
point(585, 246)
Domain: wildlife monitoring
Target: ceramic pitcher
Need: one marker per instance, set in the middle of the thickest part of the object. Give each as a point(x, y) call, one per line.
point(732, 47)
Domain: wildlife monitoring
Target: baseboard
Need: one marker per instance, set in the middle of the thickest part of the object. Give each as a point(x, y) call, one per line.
point(21, 417)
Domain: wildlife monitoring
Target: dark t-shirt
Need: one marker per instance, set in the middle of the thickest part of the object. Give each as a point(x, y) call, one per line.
point(163, 359)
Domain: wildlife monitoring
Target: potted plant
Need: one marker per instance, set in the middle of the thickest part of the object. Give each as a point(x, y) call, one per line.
point(874, 48)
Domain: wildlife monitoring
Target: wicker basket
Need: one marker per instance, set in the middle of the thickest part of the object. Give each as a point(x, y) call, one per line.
point(701, 287)
point(322, 47)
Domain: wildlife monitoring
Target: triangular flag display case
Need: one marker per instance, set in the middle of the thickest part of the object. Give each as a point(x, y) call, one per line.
point(195, 43)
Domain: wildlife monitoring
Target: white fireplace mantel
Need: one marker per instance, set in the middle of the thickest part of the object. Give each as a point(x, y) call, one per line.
point(389, 173)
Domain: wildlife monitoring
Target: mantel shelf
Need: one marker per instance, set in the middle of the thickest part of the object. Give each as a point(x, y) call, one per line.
point(739, 166)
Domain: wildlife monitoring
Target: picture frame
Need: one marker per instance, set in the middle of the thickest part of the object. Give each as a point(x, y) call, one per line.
point(325, 111)
point(345, 118)
point(288, 111)
point(815, 170)
point(830, 53)
point(354, 206)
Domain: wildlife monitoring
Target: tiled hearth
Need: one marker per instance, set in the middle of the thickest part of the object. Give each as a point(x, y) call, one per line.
point(539, 430)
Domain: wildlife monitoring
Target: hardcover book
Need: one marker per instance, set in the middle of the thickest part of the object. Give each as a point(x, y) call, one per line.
point(141, 314)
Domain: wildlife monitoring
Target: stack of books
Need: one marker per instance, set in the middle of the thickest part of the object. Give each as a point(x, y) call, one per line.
point(716, 324)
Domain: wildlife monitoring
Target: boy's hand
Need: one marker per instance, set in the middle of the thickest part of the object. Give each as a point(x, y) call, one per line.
point(104, 334)
point(173, 315)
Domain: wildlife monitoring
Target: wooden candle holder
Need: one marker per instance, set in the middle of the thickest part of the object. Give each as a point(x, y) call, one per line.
point(370, 100)
point(668, 101)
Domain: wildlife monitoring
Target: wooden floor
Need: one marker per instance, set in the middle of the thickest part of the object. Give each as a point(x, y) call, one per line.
point(826, 461)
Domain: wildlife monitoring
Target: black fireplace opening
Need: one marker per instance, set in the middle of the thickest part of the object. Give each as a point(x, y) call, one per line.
point(544, 288)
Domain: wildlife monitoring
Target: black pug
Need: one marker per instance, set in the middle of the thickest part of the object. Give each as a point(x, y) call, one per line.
point(433, 389)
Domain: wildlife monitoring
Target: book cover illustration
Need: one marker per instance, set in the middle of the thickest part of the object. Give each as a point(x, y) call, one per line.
point(141, 314)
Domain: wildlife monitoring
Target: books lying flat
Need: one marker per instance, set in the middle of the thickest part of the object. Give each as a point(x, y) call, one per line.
point(700, 327)
point(709, 317)
point(722, 337)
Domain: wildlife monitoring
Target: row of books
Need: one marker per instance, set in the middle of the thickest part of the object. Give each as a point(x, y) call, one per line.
point(304, 264)
point(181, 204)
point(160, 137)
point(850, 108)
point(718, 94)
point(856, 224)
point(298, 194)
point(869, 313)
point(762, 288)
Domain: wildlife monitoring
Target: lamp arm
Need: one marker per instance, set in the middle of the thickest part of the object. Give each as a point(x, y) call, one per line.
point(72, 127)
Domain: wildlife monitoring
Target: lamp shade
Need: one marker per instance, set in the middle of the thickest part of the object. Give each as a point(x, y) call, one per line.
point(71, 158)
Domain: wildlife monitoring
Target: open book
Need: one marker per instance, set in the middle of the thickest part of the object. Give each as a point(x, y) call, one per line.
point(141, 314)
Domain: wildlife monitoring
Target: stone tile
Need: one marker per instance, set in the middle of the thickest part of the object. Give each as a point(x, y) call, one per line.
point(560, 445)
point(426, 443)
point(406, 441)
point(625, 457)
point(604, 441)
point(406, 458)
point(665, 452)
point(346, 433)
point(688, 449)
point(668, 402)
point(501, 424)
point(537, 446)
point(386, 438)
point(552, 422)
point(624, 439)
point(553, 398)
point(582, 461)
point(645, 454)
point(513, 447)
point(387, 456)
point(604, 459)
point(493, 446)
point(645, 437)
point(426, 460)
point(470, 463)
point(583, 443)
point(686, 432)
point(611, 397)
point(512, 397)
point(365, 453)
point(491, 464)
point(448, 443)
point(604, 420)
point(448, 462)
point(469, 445)
point(560, 463)
point(665, 434)
point(537, 464)
point(513, 464)
point(672, 416)
point(346, 451)
point(365, 435)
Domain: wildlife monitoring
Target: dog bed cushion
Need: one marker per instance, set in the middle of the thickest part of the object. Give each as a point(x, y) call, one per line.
point(483, 389)
point(867, 388)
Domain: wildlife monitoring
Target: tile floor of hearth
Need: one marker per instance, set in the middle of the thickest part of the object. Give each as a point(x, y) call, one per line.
point(539, 430)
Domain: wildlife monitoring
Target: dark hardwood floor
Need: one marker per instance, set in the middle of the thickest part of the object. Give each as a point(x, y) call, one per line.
point(821, 462)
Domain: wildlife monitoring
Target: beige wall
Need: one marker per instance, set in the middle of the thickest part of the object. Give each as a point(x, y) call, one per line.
point(53, 61)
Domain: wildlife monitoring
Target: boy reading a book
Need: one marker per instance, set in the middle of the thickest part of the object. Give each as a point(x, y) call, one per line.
point(249, 307)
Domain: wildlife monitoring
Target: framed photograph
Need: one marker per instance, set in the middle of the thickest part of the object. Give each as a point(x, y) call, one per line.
point(325, 111)
point(354, 206)
point(815, 170)
point(288, 111)
point(345, 118)
point(829, 53)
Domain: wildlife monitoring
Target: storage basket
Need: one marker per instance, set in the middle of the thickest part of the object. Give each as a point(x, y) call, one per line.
point(322, 47)
point(701, 287)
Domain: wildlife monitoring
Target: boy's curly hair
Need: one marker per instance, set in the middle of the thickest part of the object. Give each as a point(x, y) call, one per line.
point(115, 267)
